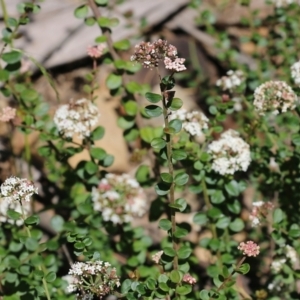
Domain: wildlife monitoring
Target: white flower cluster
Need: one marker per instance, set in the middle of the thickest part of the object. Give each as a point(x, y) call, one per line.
point(76, 118)
point(291, 254)
point(92, 278)
point(295, 72)
point(230, 153)
point(175, 65)
point(15, 190)
point(192, 122)
point(275, 97)
point(233, 80)
point(274, 286)
point(284, 3)
point(277, 265)
point(238, 106)
point(119, 198)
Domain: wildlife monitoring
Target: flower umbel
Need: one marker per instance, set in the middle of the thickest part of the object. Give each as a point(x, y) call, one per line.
point(151, 54)
point(233, 80)
point(76, 118)
point(277, 265)
point(95, 51)
point(249, 248)
point(17, 189)
point(275, 97)
point(230, 153)
point(93, 278)
point(119, 198)
point(7, 114)
point(192, 122)
point(15, 195)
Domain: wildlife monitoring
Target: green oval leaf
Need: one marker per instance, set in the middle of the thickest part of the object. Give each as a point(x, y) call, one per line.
point(175, 104)
point(113, 81)
point(176, 124)
point(277, 215)
point(237, 225)
point(29, 95)
point(153, 111)
point(81, 12)
point(158, 143)
point(181, 179)
point(153, 98)
point(122, 45)
point(183, 290)
point(12, 57)
point(200, 218)
point(166, 177)
point(32, 220)
point(14, 215)
point(91, 168)
point(223, 222)
point(97, 133)
point(57, 223)
point(175, 276)
point(169, 251)
point(184, 252)
point(180, 232)
point(98, 153)
point(131, 108)
point(179, 154)
point(50, 277)
point(165, 224)
point(243, 269)
point(31, 244)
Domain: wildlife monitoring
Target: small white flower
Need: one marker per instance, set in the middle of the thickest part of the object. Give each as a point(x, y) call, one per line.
point(119, 198)
point(291, 254)
point(237, 104)
point(17, 189)
point(176, 65)
point(273, 286)
point(77, 118)
point(15, 195)
point(277, 265)
point(274, 96)
point(233, 80)
point(295, 72)
point(230, 153)
point(192, 122)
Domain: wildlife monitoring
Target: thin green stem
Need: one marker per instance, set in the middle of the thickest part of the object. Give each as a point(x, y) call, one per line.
point(230, 276)
point(4, 11)
point(171, 172)
point(212, 226)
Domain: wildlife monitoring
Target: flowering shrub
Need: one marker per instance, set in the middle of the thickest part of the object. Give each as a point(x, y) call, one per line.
point(211, 210)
